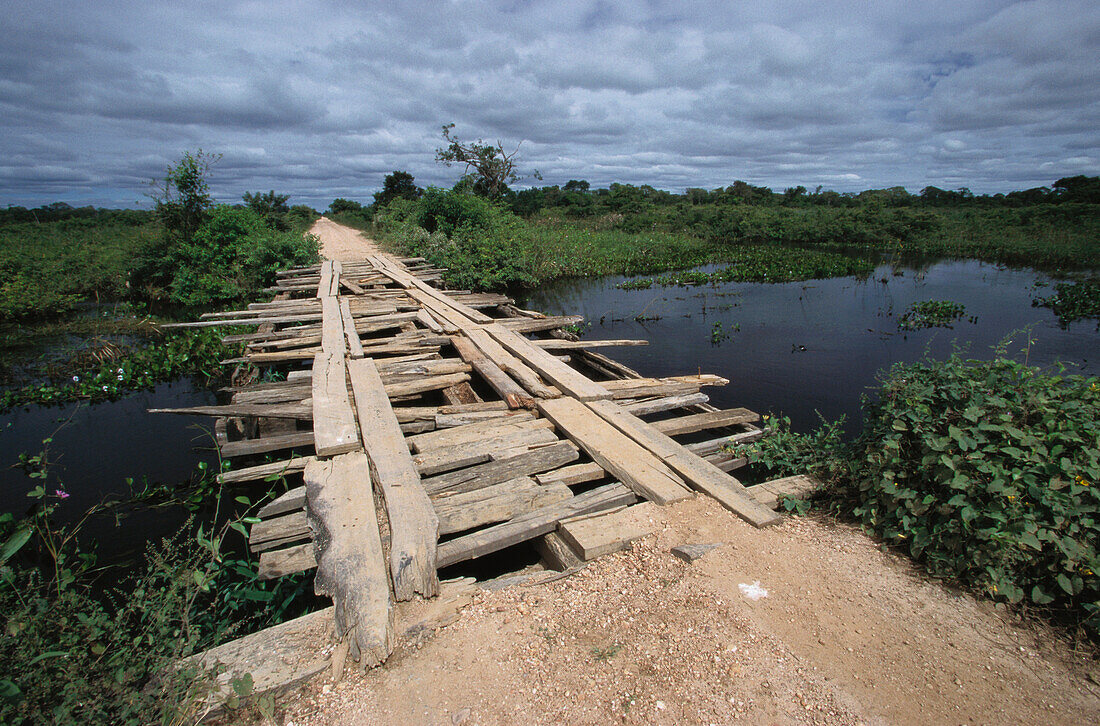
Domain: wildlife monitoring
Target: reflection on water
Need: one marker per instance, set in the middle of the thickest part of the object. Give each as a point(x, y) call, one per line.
point(812, 346)
point(98, 447)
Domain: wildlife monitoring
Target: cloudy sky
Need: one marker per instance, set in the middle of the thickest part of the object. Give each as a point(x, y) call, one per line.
point(321, 100)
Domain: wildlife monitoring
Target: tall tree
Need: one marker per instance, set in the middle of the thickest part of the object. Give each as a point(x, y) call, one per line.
point(493, 166)
point(398, 185)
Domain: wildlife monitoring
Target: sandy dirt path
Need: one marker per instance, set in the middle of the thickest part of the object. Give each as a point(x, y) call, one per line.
point(847, 634)
point(343, 243)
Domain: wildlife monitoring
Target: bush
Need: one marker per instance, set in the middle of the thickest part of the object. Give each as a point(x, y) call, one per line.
point(984, 471)
point(987, 472)
point(233, 254)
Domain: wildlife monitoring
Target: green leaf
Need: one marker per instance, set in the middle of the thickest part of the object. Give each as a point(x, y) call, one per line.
point(242, 500)
point(10, 692)
point(242, 685)
point(15, 542)
point(49, 654)
point(1065, 584)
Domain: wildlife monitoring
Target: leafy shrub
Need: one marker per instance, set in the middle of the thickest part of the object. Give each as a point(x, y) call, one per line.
point(987, 472)
point(233, 253)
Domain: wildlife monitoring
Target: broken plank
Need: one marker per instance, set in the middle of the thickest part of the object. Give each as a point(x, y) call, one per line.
point(571, 475)
point(247, 447)
point(556, 553)
point(531, 525)
point(350, 562)
point(355, 346)
point(704, 421)
point(288, 501)
point(414, 528)
point(263, 471)
point(494, 472)
point(497, 503)
point(297, 410)
point(512, 393)
point(278, 528)
point(287, 561)
point(613, 450)
point(656, 405)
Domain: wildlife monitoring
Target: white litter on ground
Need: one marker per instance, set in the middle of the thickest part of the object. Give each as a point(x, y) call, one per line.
point(753, 591)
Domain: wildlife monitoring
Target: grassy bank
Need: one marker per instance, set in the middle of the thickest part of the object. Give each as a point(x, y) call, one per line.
point(985, 472)
point(487, 246)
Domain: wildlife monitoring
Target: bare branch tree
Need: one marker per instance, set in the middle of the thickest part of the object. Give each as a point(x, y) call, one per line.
point(495, 168)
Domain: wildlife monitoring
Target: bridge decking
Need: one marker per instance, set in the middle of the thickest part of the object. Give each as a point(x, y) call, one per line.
point(428, 429)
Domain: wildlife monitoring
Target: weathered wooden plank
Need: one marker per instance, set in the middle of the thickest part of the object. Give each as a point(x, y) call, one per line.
point(620, 455)
point(700, 474)
point(519, 441)
point(656, 405)
point(470, 433)
point(287, 561)
point(324, 281)
point(355, 346)
point(413, 525)
point(561, 375)
point(278, 528)
point(530, 325)
point(557, 553)
point(510, 364)
point(532, 524)
point(512, 393)
point(301, 410)
point(289, 501)
point(704, 421)
point(425, 318)
point(431, 383)
point(571, 475)
point(350, 562)
point(497, 503)
point(711, 446)
point(558, 344)
point(494, 472)
point(247, 447)
point(599, 535)
point(334, 430)
point(332, 327)
point(262, 471)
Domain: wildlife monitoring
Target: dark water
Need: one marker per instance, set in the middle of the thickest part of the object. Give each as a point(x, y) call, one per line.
point(95, 448)
point(816, 346)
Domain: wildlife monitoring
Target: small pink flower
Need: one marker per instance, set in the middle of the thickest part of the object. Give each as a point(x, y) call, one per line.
point(61, 494)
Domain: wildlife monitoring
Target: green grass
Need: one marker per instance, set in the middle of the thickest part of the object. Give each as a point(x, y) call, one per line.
point(47, 269)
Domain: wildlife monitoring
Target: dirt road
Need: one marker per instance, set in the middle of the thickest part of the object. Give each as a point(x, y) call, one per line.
point(342, 243)
point(847, 634)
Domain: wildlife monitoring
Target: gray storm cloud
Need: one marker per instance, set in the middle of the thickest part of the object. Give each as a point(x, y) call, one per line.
point(322, 99)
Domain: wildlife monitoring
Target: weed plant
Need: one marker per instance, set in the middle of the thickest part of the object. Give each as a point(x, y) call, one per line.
point(931, 314)
point(1073, 301)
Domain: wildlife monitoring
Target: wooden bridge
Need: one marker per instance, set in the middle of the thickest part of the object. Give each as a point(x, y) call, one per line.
point(435, 431)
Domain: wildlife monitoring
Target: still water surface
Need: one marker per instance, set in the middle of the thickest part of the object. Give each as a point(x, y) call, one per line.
point(817, 346)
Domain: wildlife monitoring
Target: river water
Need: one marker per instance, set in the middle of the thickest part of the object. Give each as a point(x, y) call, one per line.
point(795, 348)
point(812, 347)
